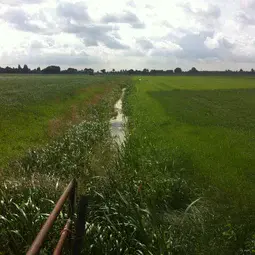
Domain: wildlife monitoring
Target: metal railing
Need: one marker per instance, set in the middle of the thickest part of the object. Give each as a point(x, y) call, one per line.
point(68, 194)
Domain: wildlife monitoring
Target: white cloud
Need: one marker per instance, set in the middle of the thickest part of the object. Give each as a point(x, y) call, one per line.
point(128, 34)
point(17, 2)
point(245, 19)
point(205, 16)
point(209, 11)
point(144, 43)
point(125, 17)
point(73, 11)
point(218, 41)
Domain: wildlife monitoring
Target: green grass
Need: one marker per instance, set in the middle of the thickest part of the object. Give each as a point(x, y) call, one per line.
point(31, 184)
point(216, 128)
point(182, 184)
point(33, 107)
point(214, 125)
point(209, 122)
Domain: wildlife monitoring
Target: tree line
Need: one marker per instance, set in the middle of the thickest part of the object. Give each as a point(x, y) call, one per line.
point(89, 71)
point(48, 70)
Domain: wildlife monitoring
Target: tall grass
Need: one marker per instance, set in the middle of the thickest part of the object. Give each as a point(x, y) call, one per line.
point(32, 184)
point(25, 205)
point(150, 203)
point(143, 198)
point(142, 207)
point(220, 226)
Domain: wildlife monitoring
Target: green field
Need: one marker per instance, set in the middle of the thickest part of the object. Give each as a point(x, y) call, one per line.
point(33, 108)
point(183, 183)
point(53, 128)
point(210, 119)
point(208, 124)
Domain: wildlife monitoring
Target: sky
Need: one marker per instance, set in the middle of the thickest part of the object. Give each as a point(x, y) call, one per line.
point(125, 34)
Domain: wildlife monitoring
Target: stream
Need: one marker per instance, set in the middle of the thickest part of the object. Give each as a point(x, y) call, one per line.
point(118, 122)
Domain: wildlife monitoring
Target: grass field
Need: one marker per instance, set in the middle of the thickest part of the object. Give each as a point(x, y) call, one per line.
point(209, 124)
point(52, 129)
point(33, 108)
point(211, 119)
point(182, 184)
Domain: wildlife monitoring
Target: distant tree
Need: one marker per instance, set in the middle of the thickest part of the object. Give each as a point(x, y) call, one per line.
point(193, 70)
point(241, 70)
point(252, 70)
point(103, 71)
point(169, 71)
point(51, 70)
point(8, 69)
point(71, 70)
point(156, 72)
point(131, 71)
point(145, 70)
point(113, 70)
point(178, 70)
point(19, 69)
point(89, 71)
point(25, 69)
point(38, 69)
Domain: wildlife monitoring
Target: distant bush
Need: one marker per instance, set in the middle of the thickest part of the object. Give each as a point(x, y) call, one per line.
point(178, 70)
point(51, 70)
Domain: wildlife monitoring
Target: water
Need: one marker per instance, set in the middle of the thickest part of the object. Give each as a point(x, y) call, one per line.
point(118, 123)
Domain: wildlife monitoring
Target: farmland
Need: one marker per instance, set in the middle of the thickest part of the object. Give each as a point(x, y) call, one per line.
point(183, 183)
point(211, 120)
point(53, 128)
point(35, 108)
point(205, 125)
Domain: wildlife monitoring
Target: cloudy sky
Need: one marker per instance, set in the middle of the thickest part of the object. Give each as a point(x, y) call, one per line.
point(124, 34)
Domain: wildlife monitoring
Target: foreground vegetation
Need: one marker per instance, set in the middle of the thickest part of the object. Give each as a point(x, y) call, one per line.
point(182, 184)
point(31, 184)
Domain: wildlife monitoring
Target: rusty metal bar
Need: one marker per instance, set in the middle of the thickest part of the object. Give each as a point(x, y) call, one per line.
point(72, 197)
point(64, 234)
point(36, 245)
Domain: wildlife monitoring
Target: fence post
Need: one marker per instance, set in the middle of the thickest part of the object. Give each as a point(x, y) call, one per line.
point(80, 225)
point(71, 212)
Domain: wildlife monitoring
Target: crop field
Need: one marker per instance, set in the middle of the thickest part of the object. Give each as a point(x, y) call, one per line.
point(52, 129)
point(207, 125)
point(211, 120)
point(33, 108)
point(182, 183)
